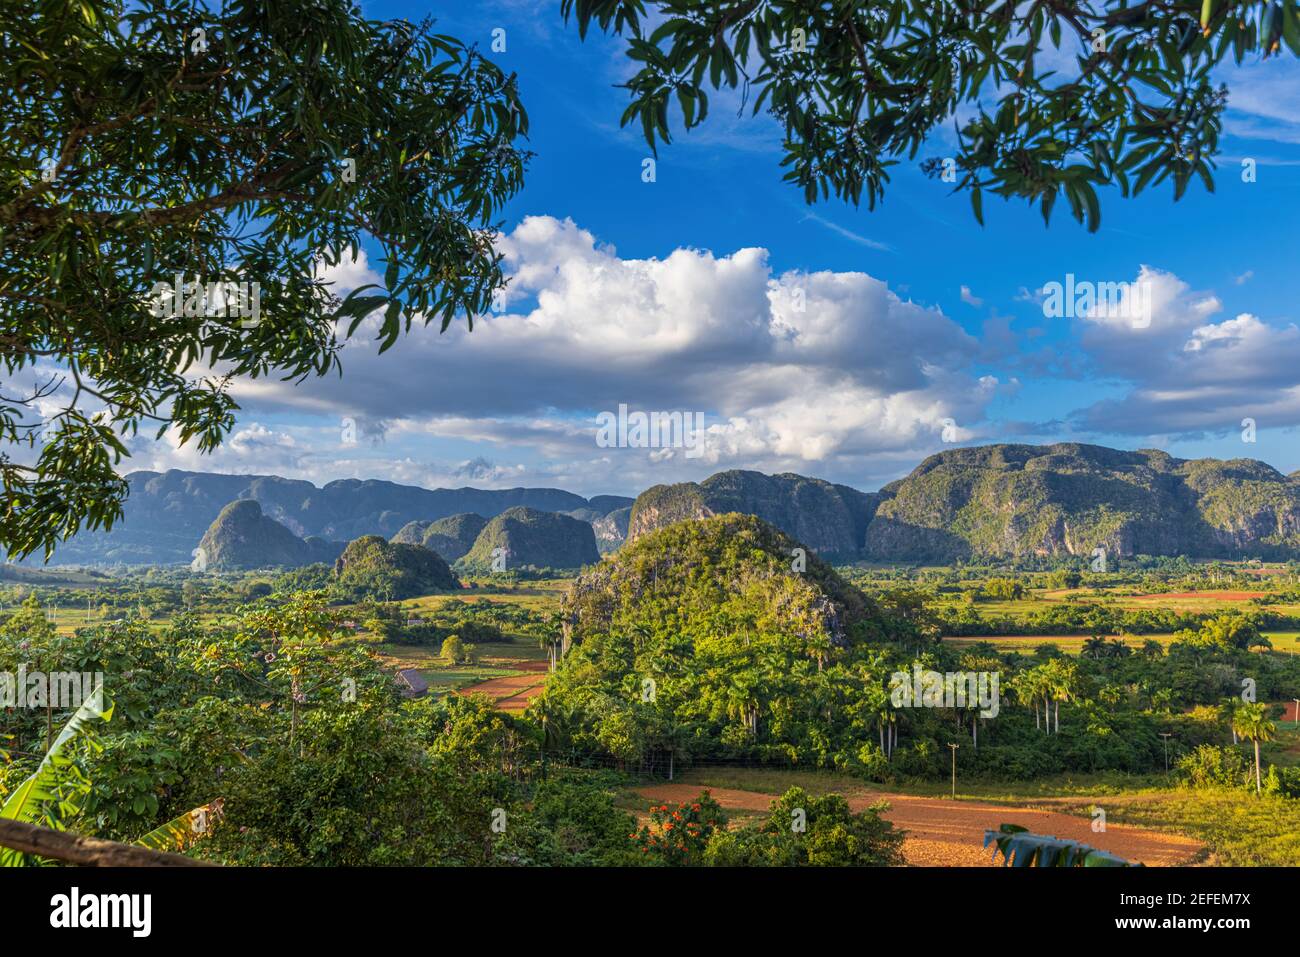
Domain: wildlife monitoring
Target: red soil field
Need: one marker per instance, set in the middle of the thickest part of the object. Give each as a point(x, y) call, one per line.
point(1220, 595)
point(968, 639)
point(514, 692)
point(946, 833)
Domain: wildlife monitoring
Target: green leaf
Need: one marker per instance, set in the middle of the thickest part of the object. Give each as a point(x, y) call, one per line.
point(31, 801)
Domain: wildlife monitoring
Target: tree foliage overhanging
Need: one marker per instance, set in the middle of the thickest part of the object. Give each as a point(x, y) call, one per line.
point(257, 143)
point(855, 86)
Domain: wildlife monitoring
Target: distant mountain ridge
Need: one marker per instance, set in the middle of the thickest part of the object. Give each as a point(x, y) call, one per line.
point(1071, 498)
point(1007, 500)
point(242, 538)
point(167, 513)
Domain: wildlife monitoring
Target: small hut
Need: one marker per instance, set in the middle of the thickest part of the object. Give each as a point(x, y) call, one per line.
point(412, 682)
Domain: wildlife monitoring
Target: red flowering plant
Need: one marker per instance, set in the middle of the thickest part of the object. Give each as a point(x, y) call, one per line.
point(678, 833)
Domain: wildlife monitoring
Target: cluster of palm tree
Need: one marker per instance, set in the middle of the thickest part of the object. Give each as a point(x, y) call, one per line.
point(1098, 648)
point(886, 718)
point(1047, 684)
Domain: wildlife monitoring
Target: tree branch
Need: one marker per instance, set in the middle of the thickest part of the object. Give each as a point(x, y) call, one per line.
point(87, 851)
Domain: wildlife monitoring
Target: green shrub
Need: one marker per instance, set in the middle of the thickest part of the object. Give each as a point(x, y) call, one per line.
point(1211, 766)
point(1282, 781)
point(803, 830)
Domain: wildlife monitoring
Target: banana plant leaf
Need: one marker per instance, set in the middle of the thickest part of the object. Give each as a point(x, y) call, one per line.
point(182, 832)
point(1020, 847)
point(41, 798)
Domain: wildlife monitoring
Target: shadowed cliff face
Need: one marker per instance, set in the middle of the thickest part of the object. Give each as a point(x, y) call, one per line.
point(611, 530)
point(830, 519)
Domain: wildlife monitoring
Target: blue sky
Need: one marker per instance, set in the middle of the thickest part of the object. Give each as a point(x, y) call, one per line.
point(921, 329)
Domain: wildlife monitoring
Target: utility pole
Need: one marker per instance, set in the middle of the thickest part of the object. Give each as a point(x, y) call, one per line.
point(954, 769)
point(1297, 709)
point(1166, 735)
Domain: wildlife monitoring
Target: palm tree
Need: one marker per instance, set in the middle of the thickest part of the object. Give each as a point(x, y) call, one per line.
point(1095, 647)
point(878, 699)
point(1043, 684)
point(1046, 688)
point(1062, 677)
point(1052, 682)
point(1032, 685)
point(1251, 721)
point(742, 698)
point(1152, 649)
